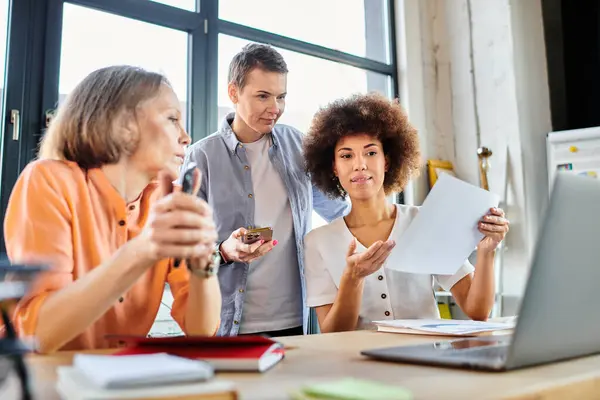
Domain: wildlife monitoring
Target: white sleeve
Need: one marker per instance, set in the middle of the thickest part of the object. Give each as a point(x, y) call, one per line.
point(320, 288)
point(447, 281)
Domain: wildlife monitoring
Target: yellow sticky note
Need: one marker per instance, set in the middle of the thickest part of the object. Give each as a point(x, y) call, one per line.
point(353, 389)
point(573, 149)
point(444, 311)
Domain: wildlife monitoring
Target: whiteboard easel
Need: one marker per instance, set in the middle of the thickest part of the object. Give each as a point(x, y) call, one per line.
point(576, 150)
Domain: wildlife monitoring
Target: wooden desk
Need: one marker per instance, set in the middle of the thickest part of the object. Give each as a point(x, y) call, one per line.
point(329, 356)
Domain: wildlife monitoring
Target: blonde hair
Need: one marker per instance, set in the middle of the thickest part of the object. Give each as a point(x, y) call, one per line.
point(83, 129)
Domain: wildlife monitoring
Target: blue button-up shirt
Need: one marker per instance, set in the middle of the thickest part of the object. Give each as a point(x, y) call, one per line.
point(227, 187)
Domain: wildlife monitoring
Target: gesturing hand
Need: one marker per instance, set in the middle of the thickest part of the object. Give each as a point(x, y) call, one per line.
point(179, 225)
point(233, 249)
point(495, 227)
point(360, 265)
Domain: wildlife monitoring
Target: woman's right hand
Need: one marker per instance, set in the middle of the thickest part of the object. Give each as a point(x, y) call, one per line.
point(179, 225)
point(361, 265)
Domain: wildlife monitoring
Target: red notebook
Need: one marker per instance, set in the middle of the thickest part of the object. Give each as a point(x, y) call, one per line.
point(225, 353)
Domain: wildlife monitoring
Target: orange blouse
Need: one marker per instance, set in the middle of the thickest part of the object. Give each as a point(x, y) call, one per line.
point(73, 220)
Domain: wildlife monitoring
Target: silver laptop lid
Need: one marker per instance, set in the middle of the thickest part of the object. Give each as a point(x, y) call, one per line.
point(559, 316)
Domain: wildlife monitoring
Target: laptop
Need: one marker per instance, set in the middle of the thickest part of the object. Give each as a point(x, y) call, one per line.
point(558, 317)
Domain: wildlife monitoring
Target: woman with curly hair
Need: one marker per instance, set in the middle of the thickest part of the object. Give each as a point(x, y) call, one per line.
point(364, 147)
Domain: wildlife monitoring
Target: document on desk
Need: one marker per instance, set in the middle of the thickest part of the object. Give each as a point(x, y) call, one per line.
point(443, 327)
point(444, 232)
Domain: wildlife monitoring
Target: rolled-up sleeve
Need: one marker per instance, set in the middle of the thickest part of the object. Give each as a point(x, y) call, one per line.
point(447, 281)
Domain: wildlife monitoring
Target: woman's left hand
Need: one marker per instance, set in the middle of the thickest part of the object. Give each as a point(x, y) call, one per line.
point(494, 226)
point(203, 230)
point(210, 230)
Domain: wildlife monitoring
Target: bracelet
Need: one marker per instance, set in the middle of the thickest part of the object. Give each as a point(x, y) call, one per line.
point(212, 268)
point(224, 260)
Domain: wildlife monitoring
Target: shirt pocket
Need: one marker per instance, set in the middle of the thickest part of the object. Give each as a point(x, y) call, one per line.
point(229, 203)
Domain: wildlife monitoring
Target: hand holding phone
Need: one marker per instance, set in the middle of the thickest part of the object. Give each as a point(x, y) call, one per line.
point(170, 231)
point(187, 186)
point(254, 235)
point(248, 245)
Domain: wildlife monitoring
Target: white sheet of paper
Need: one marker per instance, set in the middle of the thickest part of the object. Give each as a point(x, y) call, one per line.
point(444, 232)
point(445, 326)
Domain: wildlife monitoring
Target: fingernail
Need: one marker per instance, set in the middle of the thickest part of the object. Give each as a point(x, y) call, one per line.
point(275, 242)
point(262, 241)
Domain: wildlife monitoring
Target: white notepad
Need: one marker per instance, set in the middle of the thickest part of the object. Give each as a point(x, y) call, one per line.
point(445, 230)
point(73, 385)
point(106, 371)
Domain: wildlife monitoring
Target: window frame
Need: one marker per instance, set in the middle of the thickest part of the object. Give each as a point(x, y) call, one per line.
point(284, 42)
point(34, 53)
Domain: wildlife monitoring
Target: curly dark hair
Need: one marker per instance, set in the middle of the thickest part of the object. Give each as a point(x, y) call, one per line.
point(362, 113)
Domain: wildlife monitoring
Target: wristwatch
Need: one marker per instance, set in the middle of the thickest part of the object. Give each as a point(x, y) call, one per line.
point(212, 268)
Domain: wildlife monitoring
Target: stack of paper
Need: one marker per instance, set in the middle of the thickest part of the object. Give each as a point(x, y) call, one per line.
point(442, 327)
point(139, 376)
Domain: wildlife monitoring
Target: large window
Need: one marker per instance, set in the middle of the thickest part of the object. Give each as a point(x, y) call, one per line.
point(87, 45)
point(358, 27)
point(333, 48)
point(189, 5)
point(312, 82)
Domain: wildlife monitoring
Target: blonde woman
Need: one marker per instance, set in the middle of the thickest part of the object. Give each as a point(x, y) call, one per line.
point(99, 207)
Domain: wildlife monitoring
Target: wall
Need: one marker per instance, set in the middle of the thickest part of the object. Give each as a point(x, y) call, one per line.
point(473, 73)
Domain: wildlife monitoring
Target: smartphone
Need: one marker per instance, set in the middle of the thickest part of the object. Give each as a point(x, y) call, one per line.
point(187, 185)
point(187, 182)
point(254, 235)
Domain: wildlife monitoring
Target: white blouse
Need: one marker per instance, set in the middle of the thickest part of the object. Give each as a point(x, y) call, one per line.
point(387, 294)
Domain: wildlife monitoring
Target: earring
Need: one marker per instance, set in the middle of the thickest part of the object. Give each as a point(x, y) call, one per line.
point(340, 189)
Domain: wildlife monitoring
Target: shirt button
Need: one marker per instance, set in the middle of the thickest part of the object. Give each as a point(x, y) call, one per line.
point(250, 195)
point(122, 222)
point(246, 167)
point(241, 290)
point(387, 313)
point(383, 295)
point(121, 299)
point(380, 277)
point(236, 322)
point(132, 207)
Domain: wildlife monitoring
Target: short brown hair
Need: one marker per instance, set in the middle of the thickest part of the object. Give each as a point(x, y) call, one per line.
point(255, 55)
point(83, 129)
point(371, 114)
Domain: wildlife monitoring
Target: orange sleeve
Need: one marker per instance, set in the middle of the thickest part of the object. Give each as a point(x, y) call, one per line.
point(37, 229)
point(179, 282)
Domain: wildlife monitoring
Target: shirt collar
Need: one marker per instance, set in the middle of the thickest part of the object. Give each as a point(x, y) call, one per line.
point(231, 140)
